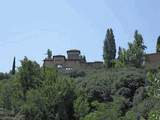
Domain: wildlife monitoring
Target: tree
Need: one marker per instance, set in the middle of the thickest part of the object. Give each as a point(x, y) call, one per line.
point(84, 58)
point(122, 58)
point(14, 66)
point(51, 101)
point(136, 51)
point(122, 55)
point(30, 76)
point(154, 81)
point(158, 45)
point(119, 52)
point(106, 111)
point(49, 53)
point(6, 96)
point(109, 48)
point(81, 107)
point(4, 75)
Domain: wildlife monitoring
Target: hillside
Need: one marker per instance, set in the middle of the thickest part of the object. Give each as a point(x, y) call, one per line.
point(123, 88)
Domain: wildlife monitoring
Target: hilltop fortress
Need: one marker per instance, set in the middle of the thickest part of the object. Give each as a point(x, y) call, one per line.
point(74, 60)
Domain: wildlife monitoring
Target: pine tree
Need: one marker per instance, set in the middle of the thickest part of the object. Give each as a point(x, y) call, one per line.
point(158, 45)
point(14, 66)
point(109, 48)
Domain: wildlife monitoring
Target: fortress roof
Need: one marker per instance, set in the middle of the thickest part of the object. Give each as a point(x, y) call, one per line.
point(58, 56)
point(73, 50)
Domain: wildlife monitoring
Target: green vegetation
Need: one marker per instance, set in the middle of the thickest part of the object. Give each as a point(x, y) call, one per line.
point(158, 45)
point(14, 66)
point(134, 55)
point(109, 48)
point(122, 90)
point(49, 53)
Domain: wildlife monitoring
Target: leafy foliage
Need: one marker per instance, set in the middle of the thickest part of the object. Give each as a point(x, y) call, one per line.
point(29, 74)
point(158, 45)
point(154, 115)
point(134, 55)
point(81, 107)
point(4, 76)
point(100, 94)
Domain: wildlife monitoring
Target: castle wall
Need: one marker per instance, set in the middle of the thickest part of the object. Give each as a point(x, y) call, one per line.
point(152, 60)
point(49, 63)
point(74, 61)
point(59, 59)
point(95, 64)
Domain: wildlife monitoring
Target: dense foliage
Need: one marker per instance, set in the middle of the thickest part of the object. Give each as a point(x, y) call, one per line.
point(35, 93)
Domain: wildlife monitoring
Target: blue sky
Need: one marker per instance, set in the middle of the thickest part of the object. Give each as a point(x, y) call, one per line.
point(30, 27)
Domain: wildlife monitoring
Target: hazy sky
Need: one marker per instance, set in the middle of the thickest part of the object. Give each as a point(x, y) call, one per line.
point(30, 27)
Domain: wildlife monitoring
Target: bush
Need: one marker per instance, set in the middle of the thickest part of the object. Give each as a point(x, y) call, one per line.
point(146, 106)
point(139, 95)
point(54, 100)
point(81, 107)
point(126, 92)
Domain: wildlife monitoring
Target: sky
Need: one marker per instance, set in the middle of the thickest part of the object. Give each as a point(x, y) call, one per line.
point(30, 27)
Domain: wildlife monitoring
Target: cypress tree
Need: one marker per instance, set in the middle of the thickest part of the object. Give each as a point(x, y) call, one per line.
point(14, 66)
point(158, 45)
point(109, 48)
point(49, 53)
point(113, 45)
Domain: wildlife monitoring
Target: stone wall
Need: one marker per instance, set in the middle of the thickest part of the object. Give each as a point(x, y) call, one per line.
point(152, 60)
point(74, 60)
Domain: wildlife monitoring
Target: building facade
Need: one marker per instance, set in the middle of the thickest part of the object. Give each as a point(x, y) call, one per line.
point(152, 60)
point(74, 60)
